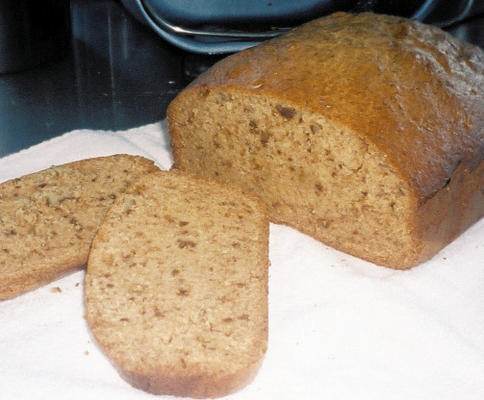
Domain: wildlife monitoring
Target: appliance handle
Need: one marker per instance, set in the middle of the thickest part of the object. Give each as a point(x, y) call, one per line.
point(177, 37)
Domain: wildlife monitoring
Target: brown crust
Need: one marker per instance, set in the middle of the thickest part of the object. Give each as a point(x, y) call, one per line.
point(195, 386)
point(26, 282)
point(411, 90)
point(451, 210)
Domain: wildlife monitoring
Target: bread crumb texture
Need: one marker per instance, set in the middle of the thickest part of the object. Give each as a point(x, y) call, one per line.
point(176, 286)
point(48, 218)
point(363, 131)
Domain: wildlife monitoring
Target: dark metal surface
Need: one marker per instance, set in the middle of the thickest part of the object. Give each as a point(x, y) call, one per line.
point(117, 74)
point(32, 32)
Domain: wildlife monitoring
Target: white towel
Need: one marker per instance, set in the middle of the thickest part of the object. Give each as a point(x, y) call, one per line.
point(339, 327)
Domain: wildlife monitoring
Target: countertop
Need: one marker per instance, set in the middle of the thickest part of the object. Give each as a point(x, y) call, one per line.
point(116, 74)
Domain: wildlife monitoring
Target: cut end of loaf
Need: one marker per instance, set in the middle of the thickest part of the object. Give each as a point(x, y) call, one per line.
point(348, 126)
point(176, 286)
point(315, 175)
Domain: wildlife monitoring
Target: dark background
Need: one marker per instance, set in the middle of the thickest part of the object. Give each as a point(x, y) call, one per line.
point(115, 74)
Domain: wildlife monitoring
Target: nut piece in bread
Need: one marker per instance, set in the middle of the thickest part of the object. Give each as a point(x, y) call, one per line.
point(48, 218)
point(363, 131)
point(176, 286)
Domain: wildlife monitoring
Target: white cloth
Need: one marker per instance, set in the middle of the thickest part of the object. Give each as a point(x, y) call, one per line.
point(339, 327)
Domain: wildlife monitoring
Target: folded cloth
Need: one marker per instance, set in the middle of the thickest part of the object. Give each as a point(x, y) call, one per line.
point(150, 141)
point(339, 327)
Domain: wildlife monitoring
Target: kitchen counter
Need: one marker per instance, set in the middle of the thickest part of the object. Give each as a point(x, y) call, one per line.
point(116, 74)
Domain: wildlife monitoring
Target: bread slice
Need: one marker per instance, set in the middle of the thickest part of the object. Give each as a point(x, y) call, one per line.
point(176, 286)
point(363, 131)
point(48, 218)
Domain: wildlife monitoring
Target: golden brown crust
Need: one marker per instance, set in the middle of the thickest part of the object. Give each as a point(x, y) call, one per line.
point(409, 90)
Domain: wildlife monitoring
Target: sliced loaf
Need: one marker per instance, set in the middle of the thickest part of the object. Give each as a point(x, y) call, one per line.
point(176, 286)
point(48, 218)
point(363, 131)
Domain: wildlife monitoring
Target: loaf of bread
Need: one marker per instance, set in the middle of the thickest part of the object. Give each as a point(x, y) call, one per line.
point(363, 131)
point(48, 218)
point(176, 286)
